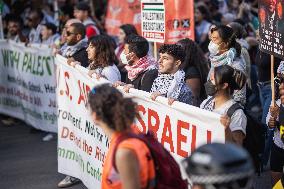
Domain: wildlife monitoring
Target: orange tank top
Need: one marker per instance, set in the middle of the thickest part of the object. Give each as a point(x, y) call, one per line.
point(110, 177)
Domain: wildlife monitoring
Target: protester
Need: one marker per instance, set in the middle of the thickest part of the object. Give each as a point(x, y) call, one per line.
point(225, 50)
point(114, 114)
point(141, 67)
point(202, 20)
point(170, 81)
point(124, 31)
point(263, 62)
point(223, 81)
point(240, 34)
point(76, 44)
point(15, 29)
point(63, 36)
point(202, 23)
point(102, 59)
point(82, 12)
point(49, 35)
point(35, 21)
point(220, 166)
point(272, 120)
point(196, 69)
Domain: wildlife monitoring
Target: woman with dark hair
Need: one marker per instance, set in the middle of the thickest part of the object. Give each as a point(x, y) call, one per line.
point(223, 82)
point(225, 50)
point(102, 58)
point(124, 31)
point(196, 68)
point(202, 21)
point(128, 163)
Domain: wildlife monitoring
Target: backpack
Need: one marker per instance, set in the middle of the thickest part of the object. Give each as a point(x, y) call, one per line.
point(168, 175)
point(255, 136)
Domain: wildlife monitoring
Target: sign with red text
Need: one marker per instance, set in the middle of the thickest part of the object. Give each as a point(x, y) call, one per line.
point(153, 20)
point(82, 146)
point(28, 84)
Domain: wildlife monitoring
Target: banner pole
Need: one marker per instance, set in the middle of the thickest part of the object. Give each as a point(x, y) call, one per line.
point(155, 51)
point(272, 80)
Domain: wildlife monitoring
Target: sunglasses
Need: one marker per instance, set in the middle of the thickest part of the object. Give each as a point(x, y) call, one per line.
point(278, 80)
point(68, 33)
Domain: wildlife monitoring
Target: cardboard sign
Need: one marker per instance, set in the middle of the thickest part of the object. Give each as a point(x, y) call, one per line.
point(153, 20)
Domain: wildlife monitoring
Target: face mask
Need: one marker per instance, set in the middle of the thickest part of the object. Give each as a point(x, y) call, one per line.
point(123, 58)
point(213, 48)
point(210, 88)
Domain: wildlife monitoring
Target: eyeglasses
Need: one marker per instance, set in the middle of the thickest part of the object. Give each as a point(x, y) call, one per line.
point(68, 33)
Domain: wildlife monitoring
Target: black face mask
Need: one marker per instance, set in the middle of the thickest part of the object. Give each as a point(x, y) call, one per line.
point(210, 88)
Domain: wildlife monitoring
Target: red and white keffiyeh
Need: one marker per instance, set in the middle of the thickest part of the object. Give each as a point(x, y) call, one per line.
point(143, 64)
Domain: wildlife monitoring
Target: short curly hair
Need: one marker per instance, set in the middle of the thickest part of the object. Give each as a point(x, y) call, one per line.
point(174, 50)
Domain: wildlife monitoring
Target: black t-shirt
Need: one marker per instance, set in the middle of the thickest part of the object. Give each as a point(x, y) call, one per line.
point(263, 65)
point(191, 73)
point(144, 80)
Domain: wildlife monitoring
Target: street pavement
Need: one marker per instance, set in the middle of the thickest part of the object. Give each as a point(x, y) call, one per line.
point(26, 162)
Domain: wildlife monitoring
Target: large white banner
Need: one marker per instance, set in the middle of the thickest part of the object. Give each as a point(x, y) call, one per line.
point(82, 146)
point(28, 84)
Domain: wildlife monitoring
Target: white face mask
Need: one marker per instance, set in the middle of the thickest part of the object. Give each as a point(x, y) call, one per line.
point(123, 58)
point(213, 48)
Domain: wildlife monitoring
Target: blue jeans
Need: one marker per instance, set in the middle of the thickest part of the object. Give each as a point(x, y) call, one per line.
point(265, 99)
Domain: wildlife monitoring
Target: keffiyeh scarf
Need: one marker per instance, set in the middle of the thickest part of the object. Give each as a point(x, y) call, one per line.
point(226, 58)
point(71, 50)
point(280, 69)
point(142, 65)
point(169, 85)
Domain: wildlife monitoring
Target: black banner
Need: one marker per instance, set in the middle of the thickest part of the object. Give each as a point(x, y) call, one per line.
point(271, 28)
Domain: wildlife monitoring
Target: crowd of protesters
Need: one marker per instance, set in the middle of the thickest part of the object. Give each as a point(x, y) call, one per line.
point(222, 67)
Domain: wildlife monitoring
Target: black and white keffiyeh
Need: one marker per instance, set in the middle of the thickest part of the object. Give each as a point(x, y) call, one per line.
point(169, 85)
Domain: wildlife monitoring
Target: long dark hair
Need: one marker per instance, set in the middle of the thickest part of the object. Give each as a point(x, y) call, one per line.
point(128, 29)
point(226, 74)
point(228, 36)
point(112, 108)
point(104, 52)
point(194, 58)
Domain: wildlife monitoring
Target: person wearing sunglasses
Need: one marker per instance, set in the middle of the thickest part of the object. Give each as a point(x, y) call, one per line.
point(76, 44)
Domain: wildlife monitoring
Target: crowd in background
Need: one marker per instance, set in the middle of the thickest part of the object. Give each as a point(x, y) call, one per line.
point(223, 66)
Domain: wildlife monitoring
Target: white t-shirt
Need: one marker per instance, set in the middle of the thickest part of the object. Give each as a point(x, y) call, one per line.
point(238, 119)
point(110, 72)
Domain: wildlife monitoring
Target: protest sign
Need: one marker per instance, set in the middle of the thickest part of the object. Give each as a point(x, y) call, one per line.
point(153, 20)
point(28, 84)
point(82, 146)
point(179, 20)
point(122, 12)
point(271, 28)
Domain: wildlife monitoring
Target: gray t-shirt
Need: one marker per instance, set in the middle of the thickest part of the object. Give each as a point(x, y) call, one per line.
point(238, 119)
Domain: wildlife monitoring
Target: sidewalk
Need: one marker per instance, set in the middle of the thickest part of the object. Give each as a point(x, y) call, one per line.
point(26, 162)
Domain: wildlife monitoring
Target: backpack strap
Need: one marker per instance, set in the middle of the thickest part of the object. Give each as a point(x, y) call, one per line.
point(233, 108)
point(208, 101)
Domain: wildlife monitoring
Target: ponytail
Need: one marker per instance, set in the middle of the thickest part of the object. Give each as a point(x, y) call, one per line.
point(226, 74)
point(228, 36)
